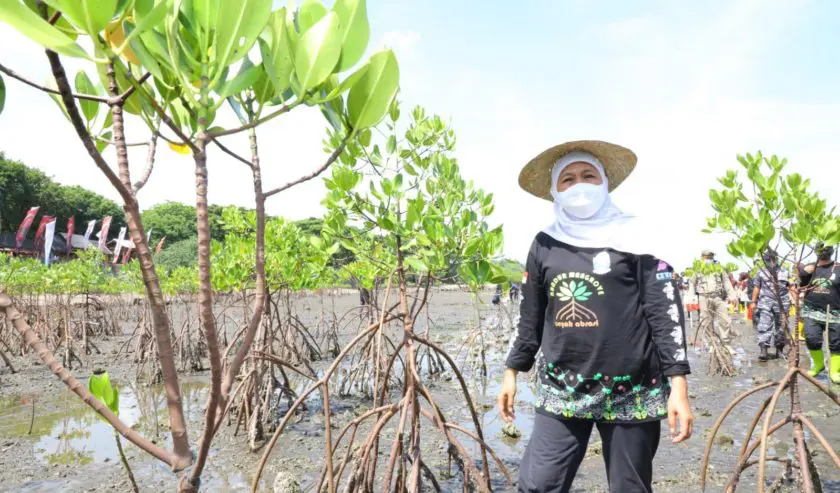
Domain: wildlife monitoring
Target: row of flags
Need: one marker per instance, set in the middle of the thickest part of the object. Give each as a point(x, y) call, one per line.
point(45, 235)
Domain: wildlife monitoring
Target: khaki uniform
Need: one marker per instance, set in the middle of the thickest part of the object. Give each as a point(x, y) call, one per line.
point(714, 290)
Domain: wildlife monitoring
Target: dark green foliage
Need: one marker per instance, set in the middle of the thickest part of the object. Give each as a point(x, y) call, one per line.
point(173, 220)
point(183, 253)
point(176, 221)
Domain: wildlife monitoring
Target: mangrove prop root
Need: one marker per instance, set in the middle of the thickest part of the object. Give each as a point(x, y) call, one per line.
point(464, 389)
point(825, 390)
point(711, 440)
point(273, 441)
point(753, 425)
point(807, 422)
point(803, 456)
point(765, 430)
point(354, 424)
point(733, 482)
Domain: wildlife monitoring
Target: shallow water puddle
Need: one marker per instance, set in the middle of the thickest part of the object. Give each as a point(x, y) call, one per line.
point(70, 432)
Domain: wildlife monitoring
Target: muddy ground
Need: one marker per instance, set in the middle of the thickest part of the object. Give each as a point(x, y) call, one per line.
point(51, 442)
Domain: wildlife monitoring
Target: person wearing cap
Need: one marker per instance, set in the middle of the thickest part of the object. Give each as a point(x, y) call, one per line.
point(713, 290)
point(769, 306)
point(606, 314)
point(821, 310)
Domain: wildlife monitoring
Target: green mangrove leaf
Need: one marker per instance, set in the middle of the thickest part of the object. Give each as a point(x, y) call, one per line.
point(37, 29)
point(317, 53)
point(354, 31)
point(371, 96)
point(85, 86)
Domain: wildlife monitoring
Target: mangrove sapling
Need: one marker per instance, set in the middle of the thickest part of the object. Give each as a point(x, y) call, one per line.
point(423, 217)
point(170, 67)
point(783, 215)
point(100, 386)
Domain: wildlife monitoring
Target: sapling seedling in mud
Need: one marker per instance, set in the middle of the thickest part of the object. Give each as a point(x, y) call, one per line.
point(100, 387)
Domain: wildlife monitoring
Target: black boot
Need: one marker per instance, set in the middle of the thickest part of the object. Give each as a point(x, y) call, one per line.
point(762, 353)
point(780, 352)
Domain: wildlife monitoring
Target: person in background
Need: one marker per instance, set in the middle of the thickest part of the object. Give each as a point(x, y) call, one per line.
point(713, 291)
point(821, 310)
point(744, 293)
point(769, 307)
point(750, 288)
point(514, 292)
point(497, 296)
point(608, 318)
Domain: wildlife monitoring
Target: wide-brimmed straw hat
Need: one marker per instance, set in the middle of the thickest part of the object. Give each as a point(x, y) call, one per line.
point(618, 162)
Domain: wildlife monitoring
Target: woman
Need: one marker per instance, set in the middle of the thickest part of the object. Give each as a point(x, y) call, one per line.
point(609, 321)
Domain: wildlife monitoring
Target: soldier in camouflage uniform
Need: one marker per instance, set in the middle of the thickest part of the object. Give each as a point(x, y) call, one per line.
point(713, 291)
point(766, 308)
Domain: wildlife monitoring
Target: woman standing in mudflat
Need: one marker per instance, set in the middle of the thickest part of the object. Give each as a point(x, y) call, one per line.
point(607, 315)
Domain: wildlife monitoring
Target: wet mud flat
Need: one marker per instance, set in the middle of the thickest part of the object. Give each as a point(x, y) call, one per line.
point(50, 441)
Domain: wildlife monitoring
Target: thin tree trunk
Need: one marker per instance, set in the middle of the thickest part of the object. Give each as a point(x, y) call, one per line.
point(259, 298)
point(205, 309)
point(154, 294)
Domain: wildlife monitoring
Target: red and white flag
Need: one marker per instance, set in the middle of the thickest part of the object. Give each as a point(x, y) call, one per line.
point(71, 228)
point(42, 226)
point(48, 240)
point(103, 233)
point(89, 231)
point(24, 226)
point(159, 245)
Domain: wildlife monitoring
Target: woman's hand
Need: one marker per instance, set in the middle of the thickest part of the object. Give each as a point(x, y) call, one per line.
point(679, 410)
point(507, 395)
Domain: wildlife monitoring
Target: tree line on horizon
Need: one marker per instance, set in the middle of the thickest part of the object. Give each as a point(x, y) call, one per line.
point(22, 187)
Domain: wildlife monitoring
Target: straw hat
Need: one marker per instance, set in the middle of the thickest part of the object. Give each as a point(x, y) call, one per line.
point(535, 177)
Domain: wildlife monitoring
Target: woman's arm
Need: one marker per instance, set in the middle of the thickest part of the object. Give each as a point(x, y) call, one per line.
point(531, 316)
point(663, 310)
point(529, 337)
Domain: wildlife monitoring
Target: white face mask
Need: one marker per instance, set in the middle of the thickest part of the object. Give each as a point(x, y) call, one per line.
point(582, 200)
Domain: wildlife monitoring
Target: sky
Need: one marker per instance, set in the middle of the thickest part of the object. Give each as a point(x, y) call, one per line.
point(686, 85)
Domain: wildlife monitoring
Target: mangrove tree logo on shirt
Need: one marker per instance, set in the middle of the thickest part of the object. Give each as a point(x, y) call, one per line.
point(821, 285)
point(574, 289)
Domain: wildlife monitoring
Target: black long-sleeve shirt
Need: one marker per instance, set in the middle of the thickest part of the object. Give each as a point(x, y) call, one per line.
point(823, 292)
point(611, 327)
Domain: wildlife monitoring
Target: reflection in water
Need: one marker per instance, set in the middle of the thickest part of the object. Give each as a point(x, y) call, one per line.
point(72, 433)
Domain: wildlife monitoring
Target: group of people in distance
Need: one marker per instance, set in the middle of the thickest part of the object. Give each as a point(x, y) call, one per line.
point(770, 294)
